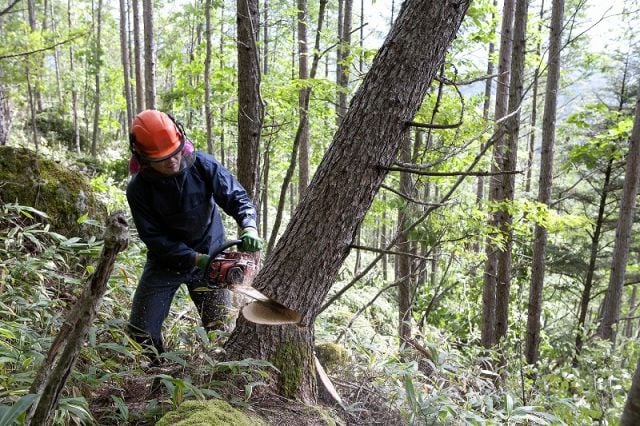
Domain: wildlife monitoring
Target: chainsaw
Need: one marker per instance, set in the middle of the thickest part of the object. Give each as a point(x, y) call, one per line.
point(230, 269)
point(235, 271)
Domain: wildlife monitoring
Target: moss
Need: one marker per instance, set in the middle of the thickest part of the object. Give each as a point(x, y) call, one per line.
point(207, 413)
point(289, 360)
point(331, 355)
point(64, 195)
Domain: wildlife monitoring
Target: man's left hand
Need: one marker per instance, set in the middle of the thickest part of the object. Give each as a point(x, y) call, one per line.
point(250, 240)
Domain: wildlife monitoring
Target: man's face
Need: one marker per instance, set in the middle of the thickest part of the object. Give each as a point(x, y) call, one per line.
point(168, 167)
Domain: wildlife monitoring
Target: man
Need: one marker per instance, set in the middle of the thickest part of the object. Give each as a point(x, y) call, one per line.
point(174, 199)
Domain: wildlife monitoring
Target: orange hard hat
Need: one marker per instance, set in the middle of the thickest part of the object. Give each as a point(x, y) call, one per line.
point(155, 135)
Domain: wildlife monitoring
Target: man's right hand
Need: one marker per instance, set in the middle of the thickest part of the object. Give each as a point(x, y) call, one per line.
point(202, 260)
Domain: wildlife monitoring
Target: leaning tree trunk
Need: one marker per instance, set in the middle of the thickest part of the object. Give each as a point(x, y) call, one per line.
point(250, 108)
point(65, 349)
point(304, 264)
point(545, 182)
point(612, 300)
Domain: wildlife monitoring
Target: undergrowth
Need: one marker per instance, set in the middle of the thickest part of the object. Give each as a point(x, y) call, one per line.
point(441, 378)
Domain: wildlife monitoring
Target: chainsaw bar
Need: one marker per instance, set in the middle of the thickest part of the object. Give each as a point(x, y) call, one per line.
point(235, 271)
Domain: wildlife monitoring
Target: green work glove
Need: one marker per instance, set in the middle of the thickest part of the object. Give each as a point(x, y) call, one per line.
point(202, 260)
point(250, 240)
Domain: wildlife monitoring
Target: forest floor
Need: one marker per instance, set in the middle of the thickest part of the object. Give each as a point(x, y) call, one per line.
point(146, 398)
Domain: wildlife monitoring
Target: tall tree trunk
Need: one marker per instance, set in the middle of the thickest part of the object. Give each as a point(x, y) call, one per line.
point(344, 60)
point(534, 106)
point(250, 107)
point(628, 326)
point(512, 126)
point(138, 50)
point(488, 331)
point(98, 60)
point(149, 55)
point(545, 183)
point(74, 91)
point(343, 188)
point(126, 65)
point(613, 297)
point(265, 38)
point(208, 118)
point(487, 103)
point(303, 74)
point(296, 142)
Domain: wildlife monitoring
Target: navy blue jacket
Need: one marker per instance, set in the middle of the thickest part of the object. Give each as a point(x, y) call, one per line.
point(177, 216)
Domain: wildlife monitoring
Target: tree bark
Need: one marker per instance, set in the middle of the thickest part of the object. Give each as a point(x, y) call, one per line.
point(74, 90)
point(545, 182)
point(65, 349)
point(306, 261)
point(613, 298)
point(488, 331)
point(250, 107)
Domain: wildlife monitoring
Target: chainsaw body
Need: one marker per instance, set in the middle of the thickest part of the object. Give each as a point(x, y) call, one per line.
point(231, 269)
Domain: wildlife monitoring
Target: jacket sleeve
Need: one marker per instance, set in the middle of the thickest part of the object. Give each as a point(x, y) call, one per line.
point(173, 253)
point(229, 194)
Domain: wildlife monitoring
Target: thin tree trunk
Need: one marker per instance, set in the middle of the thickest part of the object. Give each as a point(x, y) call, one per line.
point(628, 327)
point(74, 91)
point(488, 331)
point(138, 50)
point(265, 38)
point(403, 262)
point(149, 55)
point(612, 301)
point(487, 104)
point(126, 65)
point(98, 59)
point(546, 181)
point(512, 125)
point(303, 74)
point(534, 106)
point(343, 189)
point(296, 141)
point(207, 77)
point(344, 59)
point(250, 107)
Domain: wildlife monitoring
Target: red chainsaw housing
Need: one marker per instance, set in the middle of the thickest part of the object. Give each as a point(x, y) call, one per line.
point(234, 268)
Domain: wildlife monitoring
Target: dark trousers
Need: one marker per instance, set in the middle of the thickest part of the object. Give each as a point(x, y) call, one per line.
point(152, 301)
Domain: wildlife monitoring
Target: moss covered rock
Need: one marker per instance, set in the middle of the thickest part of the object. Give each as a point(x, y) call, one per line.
point(63, 194)
point(208, 413)
point(331, 355)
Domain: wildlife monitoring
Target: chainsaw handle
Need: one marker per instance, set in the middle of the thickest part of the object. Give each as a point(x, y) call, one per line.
point(224, 246)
